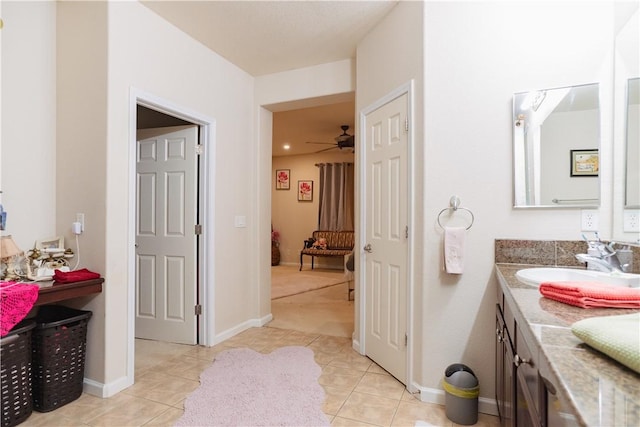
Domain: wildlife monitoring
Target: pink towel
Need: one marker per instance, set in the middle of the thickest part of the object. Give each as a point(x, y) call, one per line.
point(591, 294)
point(454, 249)
point(16, 300)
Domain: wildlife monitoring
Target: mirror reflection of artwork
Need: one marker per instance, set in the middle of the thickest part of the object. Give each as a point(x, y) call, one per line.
point(632, 199)
point(585, 162)
point(548, 124)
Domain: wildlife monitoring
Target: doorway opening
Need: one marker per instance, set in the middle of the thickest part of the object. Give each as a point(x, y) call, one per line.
point(318, 300)
point(148, 110)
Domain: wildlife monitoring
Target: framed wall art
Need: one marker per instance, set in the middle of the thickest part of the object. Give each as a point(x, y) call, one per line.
point(585, 162)
point(305, 191)
point(282, 179)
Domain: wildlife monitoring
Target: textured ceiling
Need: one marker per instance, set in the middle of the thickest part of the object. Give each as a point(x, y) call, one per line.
point(264, 37)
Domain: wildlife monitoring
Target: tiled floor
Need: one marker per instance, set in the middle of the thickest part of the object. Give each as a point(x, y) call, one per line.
point(358, 392)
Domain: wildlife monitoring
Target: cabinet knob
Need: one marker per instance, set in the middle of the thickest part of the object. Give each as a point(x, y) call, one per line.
point(517, 360)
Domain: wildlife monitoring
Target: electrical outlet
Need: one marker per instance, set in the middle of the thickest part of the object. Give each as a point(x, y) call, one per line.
point(80, 219)
point(631, 220)
point(589, 220)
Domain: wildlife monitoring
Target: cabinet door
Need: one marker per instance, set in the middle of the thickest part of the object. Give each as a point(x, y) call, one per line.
point(504, 371)
point(525, 410)
point(499, 385)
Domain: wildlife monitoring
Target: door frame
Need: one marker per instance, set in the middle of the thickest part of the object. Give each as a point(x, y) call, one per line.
point(206, 286)
point(408, 89)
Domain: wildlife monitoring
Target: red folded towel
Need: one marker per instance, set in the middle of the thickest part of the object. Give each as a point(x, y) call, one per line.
point(591, 294)
point(74, 276)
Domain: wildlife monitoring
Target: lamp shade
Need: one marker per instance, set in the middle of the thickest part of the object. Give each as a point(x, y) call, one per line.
point(8, 247)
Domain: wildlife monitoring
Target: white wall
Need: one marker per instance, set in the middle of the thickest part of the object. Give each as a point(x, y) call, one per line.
point(27, 168)
point(90, 141)
point(478, 54)
point(390, 56)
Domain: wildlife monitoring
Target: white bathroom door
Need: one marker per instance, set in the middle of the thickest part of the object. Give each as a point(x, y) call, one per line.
point(386, 235)
point(166, 216)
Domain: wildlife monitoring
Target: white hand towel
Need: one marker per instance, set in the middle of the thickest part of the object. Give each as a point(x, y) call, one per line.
point(454, 249)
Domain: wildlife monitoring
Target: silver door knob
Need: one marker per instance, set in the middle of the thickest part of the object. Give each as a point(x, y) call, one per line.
point(368, 248)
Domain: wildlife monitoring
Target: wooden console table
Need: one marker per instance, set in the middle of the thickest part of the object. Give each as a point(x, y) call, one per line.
point(65, 291)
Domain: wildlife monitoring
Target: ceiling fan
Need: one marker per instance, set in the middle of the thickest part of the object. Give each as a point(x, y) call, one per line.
point(342, 141)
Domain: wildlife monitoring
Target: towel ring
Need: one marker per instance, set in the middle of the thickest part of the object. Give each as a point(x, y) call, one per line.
point(454, 203)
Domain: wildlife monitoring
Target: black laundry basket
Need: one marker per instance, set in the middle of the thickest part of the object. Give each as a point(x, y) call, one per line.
point(15, 373)
point(59, 350)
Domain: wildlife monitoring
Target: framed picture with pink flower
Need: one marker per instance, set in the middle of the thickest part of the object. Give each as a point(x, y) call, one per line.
point(282, 179)
point(305, 191)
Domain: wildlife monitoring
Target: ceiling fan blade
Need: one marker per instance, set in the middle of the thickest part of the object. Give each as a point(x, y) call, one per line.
point(313, 142)
point(326, 149)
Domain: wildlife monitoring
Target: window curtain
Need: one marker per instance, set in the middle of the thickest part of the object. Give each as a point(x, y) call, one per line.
point(336, 196)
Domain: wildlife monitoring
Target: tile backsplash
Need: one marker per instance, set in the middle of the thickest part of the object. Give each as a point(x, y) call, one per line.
point(548, 252)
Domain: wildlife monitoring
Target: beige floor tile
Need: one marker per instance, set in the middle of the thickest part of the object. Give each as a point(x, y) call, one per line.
point(408, 413)
point(345, 422)
point(342, 379)
point(485, 420)
point(51, 419)
point(162, 388)
point(380, 385)
point(167, 418)
point(136, 412)
point(334, 399)
point(369, 409)
point(350, 359)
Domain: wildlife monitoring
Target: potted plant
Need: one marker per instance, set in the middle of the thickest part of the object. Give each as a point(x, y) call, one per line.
point(275, 246)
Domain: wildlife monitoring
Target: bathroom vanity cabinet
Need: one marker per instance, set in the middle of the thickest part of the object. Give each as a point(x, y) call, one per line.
point(547, 377)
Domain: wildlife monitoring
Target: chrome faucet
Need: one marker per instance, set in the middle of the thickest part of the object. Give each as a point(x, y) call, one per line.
point(602, 257)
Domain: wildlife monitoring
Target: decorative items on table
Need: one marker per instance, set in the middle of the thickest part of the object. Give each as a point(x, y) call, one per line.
point(9, 253)
point(46, 257)
point(16, 300)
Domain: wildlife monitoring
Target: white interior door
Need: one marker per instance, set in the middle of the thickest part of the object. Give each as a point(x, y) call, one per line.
point(385, 230)
point(166, 216)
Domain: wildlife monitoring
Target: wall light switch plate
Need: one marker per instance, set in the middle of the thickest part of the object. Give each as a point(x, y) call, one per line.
point(631, 220)
point(589, 220)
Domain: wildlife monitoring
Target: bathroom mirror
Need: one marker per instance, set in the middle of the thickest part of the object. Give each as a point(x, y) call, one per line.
point(632, 171)
point(556, 141)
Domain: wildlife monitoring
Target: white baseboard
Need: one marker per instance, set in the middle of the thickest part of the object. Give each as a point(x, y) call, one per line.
point(102, 390)
point(251, 323)
point(437, 396)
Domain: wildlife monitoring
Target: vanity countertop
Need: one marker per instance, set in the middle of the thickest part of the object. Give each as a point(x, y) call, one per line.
point(601, 391)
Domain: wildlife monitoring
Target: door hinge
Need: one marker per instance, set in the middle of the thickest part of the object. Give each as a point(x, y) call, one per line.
point(406, 124)
point(406, 231)
point(198, 229)
point(198, 309)
point(199, 149)
point(406, 340)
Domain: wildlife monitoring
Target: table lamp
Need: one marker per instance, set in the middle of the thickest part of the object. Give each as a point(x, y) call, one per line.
point(8, 256)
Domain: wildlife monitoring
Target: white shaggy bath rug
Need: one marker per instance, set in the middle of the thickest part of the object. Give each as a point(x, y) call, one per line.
point(247, 388)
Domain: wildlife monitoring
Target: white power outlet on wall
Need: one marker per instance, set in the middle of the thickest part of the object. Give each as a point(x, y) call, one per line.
point(631, 220)
point(589, 220)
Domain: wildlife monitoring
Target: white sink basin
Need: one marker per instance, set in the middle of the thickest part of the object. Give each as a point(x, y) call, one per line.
point(535, 276)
